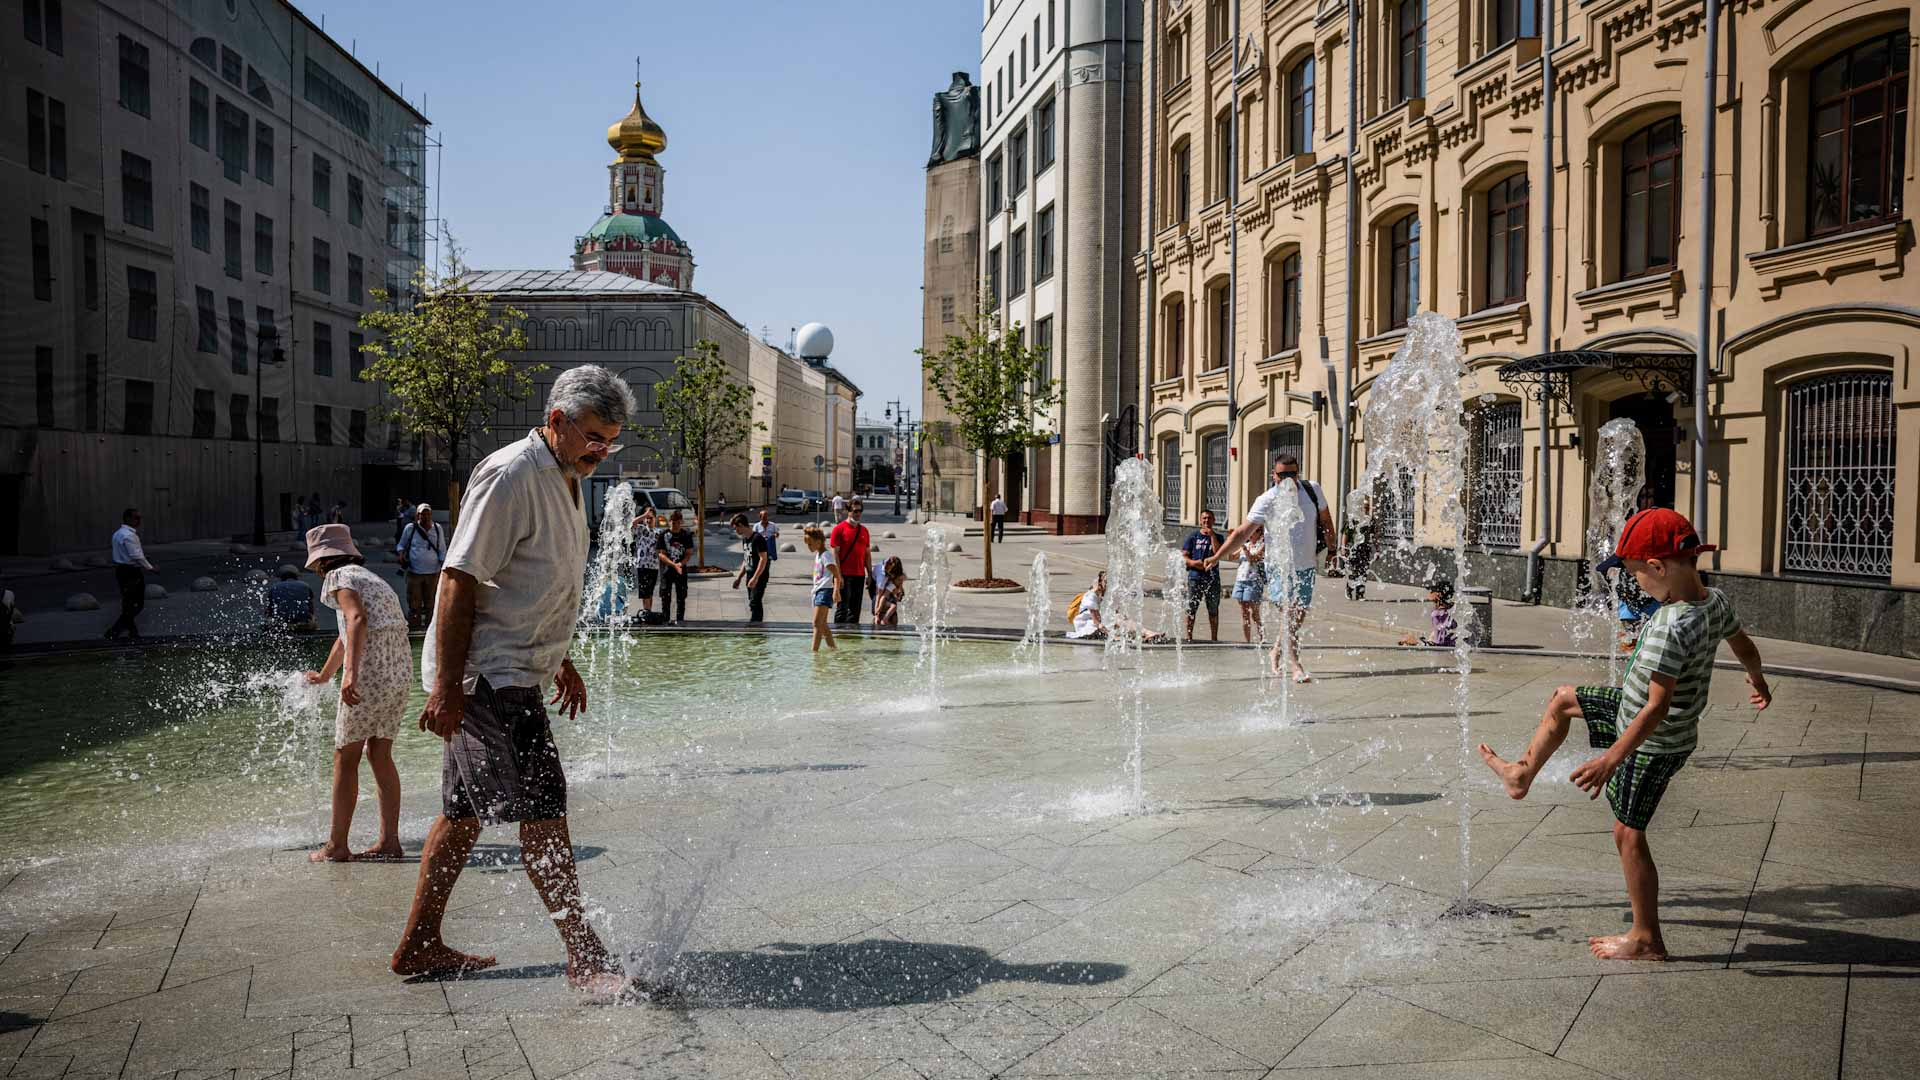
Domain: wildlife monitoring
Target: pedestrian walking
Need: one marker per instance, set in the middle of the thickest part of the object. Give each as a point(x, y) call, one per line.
point(828, 585)
point(850, 541)
point(1203, 573)
point(289, 603)
point(839, 508)
point(755, 568)
point(402, 514)
point(1312, 531)
point(646, 558)
point(375, 662)
point(130, 568)
point(675, 548)
point(770, 529)
point(1250, 585)
point(514, 575)
point(997, 518)
point(421, 548)
point(338, 514)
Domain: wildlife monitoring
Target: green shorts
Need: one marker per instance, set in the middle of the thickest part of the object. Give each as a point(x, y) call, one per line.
point(1635, 788)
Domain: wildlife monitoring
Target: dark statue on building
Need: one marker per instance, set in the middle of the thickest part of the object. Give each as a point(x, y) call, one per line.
point(956, 121)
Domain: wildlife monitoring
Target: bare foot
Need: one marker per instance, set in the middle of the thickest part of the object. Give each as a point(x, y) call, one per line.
point(436, 959)
point(598, 983)
point(1511, 773)
point(1301, 675)
point(329, 853)
point(1626, 947)
point(382, 852)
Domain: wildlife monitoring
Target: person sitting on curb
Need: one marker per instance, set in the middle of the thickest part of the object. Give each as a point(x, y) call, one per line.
point(289, 603)
point(1444, 632)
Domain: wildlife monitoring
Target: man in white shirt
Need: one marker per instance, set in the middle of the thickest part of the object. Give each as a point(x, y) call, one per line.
point(768, 528)
point(422, 548)
point(129, 573)
point(1311, 529)
point(997, 510)
point(839, 508)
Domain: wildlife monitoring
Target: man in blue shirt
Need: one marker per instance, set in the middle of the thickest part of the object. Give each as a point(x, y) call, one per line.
point(1203, 575)
point(289, 603)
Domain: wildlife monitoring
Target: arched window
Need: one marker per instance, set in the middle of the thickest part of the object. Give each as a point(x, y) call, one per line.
point(1650, 198)
point(1515, 19)
point(1180, 183)
point(1857, 145)
point(1839, 475)
point(1494, 480)
point(1403, 270)
point(1219, 323)
point(1213, 476)
point(1285, 439)
point(1176, 347)
point(1283, 302)
point(1299, 134)
point(1410, 49)
point(1170, 479)
point(1506, 241)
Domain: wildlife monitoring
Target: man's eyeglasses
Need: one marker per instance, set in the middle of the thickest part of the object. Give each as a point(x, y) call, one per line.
point(595, 446)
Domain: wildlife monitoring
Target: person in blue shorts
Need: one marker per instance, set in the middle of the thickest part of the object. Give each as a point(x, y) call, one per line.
point(1312, 532)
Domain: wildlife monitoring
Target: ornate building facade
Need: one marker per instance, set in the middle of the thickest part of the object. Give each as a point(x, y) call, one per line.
point(1534, 171)
point(950, 282)
point(631, 237)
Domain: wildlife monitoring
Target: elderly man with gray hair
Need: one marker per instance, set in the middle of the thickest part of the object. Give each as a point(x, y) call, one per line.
point(504, 617)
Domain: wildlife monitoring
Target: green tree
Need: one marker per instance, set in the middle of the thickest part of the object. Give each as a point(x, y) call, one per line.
point(707, 415)
point(441, 361)
point(995, 387)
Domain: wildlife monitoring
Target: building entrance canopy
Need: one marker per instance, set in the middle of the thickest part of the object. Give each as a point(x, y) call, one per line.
point(1550, 376)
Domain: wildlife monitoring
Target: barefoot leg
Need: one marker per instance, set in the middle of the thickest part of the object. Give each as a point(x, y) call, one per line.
point(1643, 942)
point(444, 855)
point(387, 779)
point(546, 850)
point(346, 791)
point(1562, 709)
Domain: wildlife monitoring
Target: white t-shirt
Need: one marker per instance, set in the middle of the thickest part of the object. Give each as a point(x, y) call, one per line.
point(1083, 623)
point(997, 507)
point(1264, 511)
point(823, 565)
point(839, 504)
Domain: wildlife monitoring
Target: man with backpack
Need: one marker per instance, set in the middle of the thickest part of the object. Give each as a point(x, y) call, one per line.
point(421, 549)
point(1312, 533)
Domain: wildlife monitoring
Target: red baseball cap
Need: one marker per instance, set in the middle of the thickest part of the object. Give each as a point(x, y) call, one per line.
point(1658, 533)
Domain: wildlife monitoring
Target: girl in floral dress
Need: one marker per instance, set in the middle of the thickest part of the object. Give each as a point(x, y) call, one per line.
point(375, 659)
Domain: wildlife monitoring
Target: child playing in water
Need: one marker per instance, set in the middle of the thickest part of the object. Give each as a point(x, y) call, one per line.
point(826, 585)
point(375, 660)
point(1660, 700)
point(1440, 595)
point(886, 607)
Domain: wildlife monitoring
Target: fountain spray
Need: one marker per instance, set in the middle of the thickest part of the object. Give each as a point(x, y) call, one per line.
point(1175, 595)
point(928, 605)
point(1039, 612)
point(1619, 472)
point(1133, 539)
point(1283, 590)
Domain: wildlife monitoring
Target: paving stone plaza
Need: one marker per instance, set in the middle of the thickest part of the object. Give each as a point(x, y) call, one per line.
point(853, 875)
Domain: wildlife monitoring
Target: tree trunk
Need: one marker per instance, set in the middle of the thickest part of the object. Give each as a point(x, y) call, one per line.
point(986, 534)
point(453, 482)
point(700, 521)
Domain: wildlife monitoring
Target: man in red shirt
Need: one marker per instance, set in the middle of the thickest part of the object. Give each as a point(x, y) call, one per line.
point(849, 541)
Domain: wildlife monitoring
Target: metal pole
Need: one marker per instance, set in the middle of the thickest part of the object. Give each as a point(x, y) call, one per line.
point(1352, 363)
point(1704, 299)
point(259, 477)
point(1543, 326)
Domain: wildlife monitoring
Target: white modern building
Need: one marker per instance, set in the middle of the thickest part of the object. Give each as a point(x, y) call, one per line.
point(1060, 116)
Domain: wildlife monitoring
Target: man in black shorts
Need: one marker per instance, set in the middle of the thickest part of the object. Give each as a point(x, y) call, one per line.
point(1203, 575)
point(502, 624)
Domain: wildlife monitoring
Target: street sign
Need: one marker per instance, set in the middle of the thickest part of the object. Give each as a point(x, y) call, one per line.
point(818, 461)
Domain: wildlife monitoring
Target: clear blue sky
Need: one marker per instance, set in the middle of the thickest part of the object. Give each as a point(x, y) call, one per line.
point(797, 142)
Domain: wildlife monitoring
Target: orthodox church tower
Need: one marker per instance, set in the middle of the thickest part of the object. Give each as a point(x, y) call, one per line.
point(632, 238)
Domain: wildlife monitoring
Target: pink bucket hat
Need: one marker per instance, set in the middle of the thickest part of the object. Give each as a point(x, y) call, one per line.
point(326, 541)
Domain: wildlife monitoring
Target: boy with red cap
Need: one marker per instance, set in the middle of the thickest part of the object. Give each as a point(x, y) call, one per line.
point(1649, 724)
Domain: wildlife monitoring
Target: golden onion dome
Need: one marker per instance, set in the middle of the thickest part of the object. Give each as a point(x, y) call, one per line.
point(636, 137)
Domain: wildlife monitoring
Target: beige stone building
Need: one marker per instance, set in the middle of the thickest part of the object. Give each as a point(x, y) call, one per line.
point(949, 289)
point(1572, 264)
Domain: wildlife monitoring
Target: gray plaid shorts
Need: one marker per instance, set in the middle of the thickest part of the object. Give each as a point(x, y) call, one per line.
point(503, 765)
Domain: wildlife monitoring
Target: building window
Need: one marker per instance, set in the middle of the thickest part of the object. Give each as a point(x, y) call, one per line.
point(1051, 22)
point(230, 65)
point(1403, 271)
point(993, 276)
point(209, 321)
point(1858, 144)
point(1515, 19)
point(230, 236)
point(356, 200)
point(90, 270)
point(1506, 240)
point(1393, 499)
point(1494, 485)
point(1176, 337)
point(323, 349)
point(43, 385)
point(37, 131)
point(136, 95)
point(1650, 198)
point(257, 88)
point(1410, 29)
point(91, 402)
point(357, 428)
point(1017, 161)
point(143, 304)
point(138, 417)
point(199, 115)
point(356, 360)
point(45, 27)
point(263, 151)
point(1170, 480)
point(1840, 475)
point(237, 335)
point(356, 280)
point(1017, 264)
point(1176, 55)
point(1043, 348)
point(1182, 183)
point(200, 205)
point(946, 309)
point(203, 420)
point(946, 235)
point(335, 99)
point(322, 267)
point(42, 259)
point(322, 184)
point(1223, 155)
point(237, 417)
point(263, 244)
point(1023, 60)
point(1219, 324)
point(994, 197)
point(136, 190)
point(269, 419)
point(1043, 244)
point(56, 139)
point(323, 425)
point(232, 140)
point(266, 341)
point(1283, 303)
point(1300, 107)
point(1219, 24)
point(204, 50)
point(1213, 476)
point(1043, 141)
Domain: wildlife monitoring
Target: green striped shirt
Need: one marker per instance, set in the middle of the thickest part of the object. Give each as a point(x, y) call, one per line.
point(1679, 642)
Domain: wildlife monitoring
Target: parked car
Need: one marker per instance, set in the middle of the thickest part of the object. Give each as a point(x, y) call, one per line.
point(817, 500)
point(664, 500)
point(880, 491)
point(791, 501)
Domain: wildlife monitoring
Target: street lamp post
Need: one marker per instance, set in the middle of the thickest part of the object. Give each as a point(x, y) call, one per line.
point(897, 414)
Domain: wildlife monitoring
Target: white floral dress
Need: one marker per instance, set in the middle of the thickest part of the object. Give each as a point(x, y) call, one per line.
point(386, 664)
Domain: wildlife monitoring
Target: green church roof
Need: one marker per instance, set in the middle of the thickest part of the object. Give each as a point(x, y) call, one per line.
point(643, 227)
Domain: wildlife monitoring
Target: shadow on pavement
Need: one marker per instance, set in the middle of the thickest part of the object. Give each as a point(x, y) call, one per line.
point(862, 974)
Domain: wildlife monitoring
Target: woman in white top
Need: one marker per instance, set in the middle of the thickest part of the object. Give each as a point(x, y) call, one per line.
point(1086, 619)
point(375, 659)
point(826, 585)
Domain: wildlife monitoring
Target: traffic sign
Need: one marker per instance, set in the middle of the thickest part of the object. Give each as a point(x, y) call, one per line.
point(818, 461)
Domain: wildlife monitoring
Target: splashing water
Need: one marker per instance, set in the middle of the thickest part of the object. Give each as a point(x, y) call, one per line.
point(1283, 592)
point(1416, 438)
point(605, 598)
point(1619, 472)
point(1175, 595)
point(1033, 643)
point(1133, 541)
point(928, 606)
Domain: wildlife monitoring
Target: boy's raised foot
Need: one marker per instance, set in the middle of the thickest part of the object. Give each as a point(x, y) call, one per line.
point(1627, 947)
point(1513, 774)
